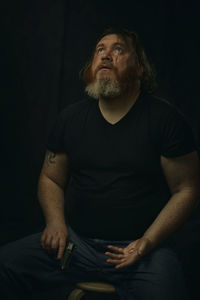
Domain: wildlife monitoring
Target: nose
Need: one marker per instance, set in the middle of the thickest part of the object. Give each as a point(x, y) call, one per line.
point(107, 55)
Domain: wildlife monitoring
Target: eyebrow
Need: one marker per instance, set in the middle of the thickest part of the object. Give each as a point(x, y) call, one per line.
point(115, 44)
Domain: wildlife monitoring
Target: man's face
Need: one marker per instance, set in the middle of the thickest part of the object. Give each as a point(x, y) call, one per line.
point(114, 69)
point(113, 58)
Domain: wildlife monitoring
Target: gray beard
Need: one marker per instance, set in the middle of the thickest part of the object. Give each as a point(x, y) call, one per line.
point(103, 88)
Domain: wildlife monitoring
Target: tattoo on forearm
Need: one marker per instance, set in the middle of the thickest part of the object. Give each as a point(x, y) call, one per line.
point(50, 157)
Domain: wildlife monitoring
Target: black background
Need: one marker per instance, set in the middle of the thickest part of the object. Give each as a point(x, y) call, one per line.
point(44, 44)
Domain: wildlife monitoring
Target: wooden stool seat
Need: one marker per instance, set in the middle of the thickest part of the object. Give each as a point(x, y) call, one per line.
point(83, 287)
point(101, 287)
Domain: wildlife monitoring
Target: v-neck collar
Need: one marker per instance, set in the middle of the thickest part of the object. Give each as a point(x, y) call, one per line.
point(121, 120)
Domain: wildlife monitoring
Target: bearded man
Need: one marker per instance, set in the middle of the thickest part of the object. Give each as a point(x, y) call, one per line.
point(131, 169)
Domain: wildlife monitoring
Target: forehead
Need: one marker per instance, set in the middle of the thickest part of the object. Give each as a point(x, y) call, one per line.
point(113, 39)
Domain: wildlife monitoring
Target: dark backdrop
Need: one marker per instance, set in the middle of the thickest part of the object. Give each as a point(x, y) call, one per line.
point(43, 46)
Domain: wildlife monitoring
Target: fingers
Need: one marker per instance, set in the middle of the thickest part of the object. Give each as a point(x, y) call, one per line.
point(123, 262)
point(116, 249)
point(46, 242)
point(53, 242)
point(114, 258)
point(121, 265)
point(113, 255)
point(123, 256)
point(127, 256)
point(116, 261)
point(61, 248)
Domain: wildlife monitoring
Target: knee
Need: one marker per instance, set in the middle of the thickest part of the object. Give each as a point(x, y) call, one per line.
point(6, 258)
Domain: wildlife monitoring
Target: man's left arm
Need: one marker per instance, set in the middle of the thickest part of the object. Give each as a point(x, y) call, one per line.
point(183, 177)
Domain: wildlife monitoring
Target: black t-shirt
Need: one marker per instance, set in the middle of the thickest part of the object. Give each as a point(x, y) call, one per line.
point(117, 187)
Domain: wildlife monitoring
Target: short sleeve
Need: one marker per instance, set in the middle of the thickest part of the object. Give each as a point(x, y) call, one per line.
point(176, 135)
point(55, 142)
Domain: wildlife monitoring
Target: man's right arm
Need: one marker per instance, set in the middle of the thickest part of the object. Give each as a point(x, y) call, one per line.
point(52, 181)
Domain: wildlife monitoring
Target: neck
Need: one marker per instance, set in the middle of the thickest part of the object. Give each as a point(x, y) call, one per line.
point(119, 104)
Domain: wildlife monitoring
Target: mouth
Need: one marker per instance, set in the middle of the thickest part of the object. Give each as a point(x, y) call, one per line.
point(104, 67)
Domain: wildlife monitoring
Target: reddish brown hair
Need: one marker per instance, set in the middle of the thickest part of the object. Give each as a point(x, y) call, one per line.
point(148, 78)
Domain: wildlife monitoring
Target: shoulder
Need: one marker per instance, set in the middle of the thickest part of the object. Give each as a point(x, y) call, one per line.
point(78, 108)
point(162, 110)
point(159, 104)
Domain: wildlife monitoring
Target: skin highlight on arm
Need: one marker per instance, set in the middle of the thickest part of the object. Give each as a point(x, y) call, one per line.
point(183, 176)
point(51, 185)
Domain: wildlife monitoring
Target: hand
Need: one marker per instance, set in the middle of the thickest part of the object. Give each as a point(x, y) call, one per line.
point(124, 257)
point(54, 238)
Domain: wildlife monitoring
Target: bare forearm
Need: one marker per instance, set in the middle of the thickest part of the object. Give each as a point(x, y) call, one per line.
point(51, 199)
point(172, 216)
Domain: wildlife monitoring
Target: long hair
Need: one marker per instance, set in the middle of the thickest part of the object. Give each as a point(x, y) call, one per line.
point(148, 78)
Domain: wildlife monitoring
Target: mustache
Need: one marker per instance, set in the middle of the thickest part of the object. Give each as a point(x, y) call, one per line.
point(104, 65)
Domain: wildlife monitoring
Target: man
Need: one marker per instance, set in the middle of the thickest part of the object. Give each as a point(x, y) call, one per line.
point(131, 169)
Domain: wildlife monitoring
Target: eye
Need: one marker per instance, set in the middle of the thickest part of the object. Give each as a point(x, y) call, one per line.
point(118, 50)
point(100, 50)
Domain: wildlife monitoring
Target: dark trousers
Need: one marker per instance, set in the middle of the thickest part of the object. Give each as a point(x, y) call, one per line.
point(25, 267)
